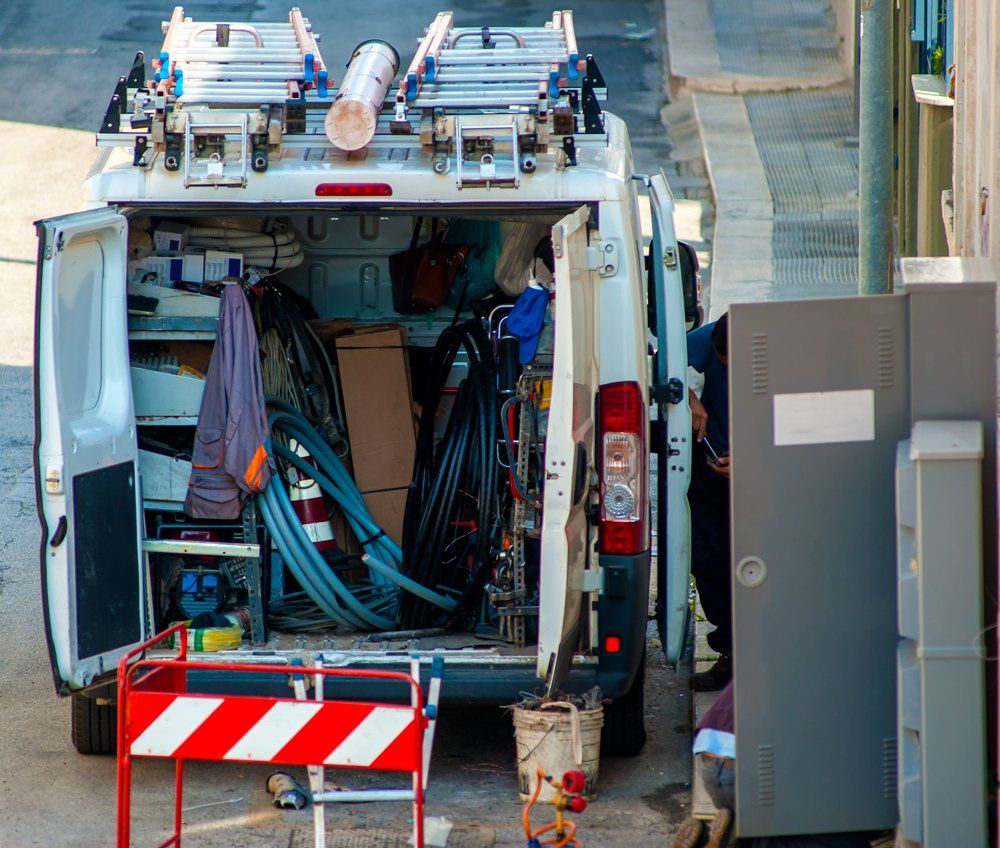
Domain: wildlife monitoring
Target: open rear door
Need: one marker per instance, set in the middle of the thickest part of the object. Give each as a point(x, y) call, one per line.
point(86, 454)
point(567, 537)
point(672, 427)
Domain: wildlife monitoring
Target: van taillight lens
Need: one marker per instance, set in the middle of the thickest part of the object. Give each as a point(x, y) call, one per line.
point(622, 419)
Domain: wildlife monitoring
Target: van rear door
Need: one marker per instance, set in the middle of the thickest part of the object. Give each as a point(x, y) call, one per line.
point(672, 427)
point(567, 535)
point(85, 449)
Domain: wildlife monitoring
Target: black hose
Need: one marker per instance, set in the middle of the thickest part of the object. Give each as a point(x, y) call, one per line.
point(452, 504)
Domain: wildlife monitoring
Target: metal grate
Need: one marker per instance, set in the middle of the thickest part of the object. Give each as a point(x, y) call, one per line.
point(776, 38)
point(813, 178)
point(470, 836)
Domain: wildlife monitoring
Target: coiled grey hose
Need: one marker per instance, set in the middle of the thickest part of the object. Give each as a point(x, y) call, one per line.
point(366, 606)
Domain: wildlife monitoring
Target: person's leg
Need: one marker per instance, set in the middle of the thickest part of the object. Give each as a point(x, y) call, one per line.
point(710, 549)
point(718, 775)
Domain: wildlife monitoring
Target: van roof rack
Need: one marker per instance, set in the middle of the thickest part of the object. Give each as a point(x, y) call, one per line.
point(483, 101)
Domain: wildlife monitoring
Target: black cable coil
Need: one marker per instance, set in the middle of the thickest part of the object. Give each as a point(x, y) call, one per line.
point(451, 510)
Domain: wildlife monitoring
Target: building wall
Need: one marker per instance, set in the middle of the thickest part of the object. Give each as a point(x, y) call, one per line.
point(975, 177)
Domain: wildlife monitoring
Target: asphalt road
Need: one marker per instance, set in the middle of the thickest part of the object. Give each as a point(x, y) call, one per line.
point(58, 64)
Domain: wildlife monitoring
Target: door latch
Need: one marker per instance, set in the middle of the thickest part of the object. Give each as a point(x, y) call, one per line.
point(670, 392)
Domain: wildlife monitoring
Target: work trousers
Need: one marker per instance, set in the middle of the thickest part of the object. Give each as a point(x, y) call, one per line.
point(711, 557)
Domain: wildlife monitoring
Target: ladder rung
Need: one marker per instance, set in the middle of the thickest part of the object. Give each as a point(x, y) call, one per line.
point(227, 72)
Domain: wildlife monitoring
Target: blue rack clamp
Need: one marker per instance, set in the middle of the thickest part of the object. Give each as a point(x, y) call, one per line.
point(322, 77)
point(437, 667)
point(431, 66)
point(296, 662)
point(554, 85)
point(179, 82)
point(164, 70)
point(572, 71)
point(310, 64)
point(411, 86)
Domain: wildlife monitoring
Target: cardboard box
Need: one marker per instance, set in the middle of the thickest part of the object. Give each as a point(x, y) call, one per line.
point(170, 237)
point(219, 265)
point(375, 383)
point(165, 269)
point(194, 268)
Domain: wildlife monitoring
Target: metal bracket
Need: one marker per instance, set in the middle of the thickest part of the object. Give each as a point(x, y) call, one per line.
point(593, 580)
point(593, 117)
point(603, 258)
point(137, 74)
point(569, 148)
point(116, 108)
point(141, 145)
point(671, 392)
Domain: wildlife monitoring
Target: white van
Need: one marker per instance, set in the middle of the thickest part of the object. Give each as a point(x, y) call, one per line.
point(110, 430)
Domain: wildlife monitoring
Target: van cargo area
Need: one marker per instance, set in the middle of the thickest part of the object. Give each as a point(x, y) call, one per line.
point(407, 426)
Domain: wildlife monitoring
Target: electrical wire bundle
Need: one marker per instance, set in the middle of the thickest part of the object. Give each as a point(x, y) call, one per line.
point(451, 511)
point(273, 251)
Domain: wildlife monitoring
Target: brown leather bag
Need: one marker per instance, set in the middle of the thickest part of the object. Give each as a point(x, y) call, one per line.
point(423, 276)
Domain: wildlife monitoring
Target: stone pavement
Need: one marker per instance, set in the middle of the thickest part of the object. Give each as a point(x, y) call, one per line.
point(774, 112)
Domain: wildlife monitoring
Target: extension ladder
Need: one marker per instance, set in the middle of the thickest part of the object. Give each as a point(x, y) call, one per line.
point(157, 718)
point(238, 63)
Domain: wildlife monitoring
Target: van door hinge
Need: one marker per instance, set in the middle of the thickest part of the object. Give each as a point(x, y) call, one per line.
point(54, 479)
point(670, 258)
point(602, 257)
point(670, 392)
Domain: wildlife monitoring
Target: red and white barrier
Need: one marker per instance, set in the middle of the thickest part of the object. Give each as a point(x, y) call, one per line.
point(265, 730)
point(157, 717)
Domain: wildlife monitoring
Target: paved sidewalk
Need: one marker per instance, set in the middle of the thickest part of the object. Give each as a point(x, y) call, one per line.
point(774, 112)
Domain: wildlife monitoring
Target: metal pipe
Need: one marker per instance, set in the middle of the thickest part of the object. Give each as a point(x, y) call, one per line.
point(875, 155)
point(353, 117)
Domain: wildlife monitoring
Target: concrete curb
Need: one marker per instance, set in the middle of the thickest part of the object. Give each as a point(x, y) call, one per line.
point(694, 63)
point(742, 268)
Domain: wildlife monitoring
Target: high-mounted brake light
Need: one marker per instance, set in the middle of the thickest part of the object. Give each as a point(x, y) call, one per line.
point(354, 190)
point(622, 415)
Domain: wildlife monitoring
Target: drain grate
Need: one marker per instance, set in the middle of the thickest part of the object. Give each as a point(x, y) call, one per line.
point(785, 38)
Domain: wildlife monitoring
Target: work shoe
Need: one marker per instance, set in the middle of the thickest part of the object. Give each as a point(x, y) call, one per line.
point(715, 678)
point(688, 834)
point(718, 829)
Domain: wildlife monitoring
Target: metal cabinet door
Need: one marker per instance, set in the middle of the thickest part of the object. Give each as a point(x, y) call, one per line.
point(818, 399)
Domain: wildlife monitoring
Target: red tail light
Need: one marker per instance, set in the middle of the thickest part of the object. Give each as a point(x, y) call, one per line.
point(624, 459)
point(354, 190)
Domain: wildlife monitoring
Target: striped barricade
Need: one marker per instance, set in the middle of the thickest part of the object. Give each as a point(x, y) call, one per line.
point(157, 717)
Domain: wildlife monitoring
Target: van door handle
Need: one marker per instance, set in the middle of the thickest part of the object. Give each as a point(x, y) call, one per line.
point(60, 534)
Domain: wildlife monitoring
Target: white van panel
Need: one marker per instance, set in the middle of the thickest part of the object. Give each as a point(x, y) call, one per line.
point(673, 477)
point(87, 453)
point(567, 536)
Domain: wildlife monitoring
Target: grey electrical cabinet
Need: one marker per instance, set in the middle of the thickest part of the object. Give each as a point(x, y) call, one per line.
point(821, 393)
point(941, 710)
point(818, 403)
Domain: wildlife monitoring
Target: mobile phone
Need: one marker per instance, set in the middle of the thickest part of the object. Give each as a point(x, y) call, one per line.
point(712, 455)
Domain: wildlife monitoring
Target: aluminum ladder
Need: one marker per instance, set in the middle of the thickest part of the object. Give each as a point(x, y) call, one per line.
point(215, 63)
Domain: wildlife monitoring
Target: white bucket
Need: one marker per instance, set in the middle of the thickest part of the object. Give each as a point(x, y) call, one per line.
point(557, 738)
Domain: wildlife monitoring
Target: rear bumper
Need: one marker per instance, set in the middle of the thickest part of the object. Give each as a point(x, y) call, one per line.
point(499, 679)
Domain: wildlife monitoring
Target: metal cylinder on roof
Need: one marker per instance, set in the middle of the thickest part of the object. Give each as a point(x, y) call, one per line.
point(351, 120)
